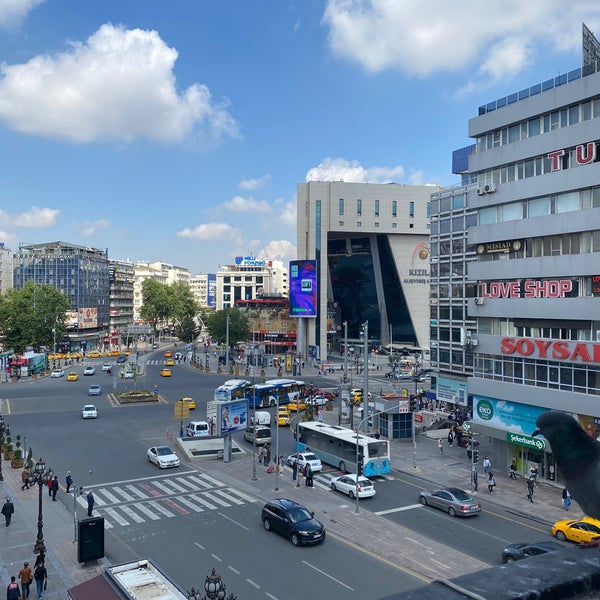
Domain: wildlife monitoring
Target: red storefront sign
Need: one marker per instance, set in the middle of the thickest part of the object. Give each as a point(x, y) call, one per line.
point(580, 352)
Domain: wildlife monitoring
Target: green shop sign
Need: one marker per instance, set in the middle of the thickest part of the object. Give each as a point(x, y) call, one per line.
point(525, 440)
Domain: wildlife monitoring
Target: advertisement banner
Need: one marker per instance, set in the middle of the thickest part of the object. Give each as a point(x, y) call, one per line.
point(303, 288)
point(505, 415)
point(231, 416)
point(451, 390)
point(88, 318)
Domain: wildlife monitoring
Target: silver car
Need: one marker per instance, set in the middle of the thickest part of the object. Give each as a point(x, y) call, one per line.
point(454, 501)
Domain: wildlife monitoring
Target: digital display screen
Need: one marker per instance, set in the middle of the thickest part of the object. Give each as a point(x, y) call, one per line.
point(303, 288)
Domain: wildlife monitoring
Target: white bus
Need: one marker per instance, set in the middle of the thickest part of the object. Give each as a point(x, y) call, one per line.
point(336, 446)
point(289, 389)
point(266, 394)
point(232, 389)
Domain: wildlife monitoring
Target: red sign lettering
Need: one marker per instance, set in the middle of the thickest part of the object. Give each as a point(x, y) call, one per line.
point(579, 352)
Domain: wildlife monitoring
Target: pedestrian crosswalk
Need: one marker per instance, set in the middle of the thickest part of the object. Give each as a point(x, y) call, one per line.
point(144, 500)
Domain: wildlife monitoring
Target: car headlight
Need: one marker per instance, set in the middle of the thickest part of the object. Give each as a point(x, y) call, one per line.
point(303, 532)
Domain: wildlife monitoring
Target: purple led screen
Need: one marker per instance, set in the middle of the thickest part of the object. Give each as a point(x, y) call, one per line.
point(303, 288)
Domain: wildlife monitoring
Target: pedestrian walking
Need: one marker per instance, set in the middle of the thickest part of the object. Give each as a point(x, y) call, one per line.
point(26, 579)
point(450, 438)
point(68, 481)
point(25, 474)
point(512, 470)
point(12, 590)
point(7, 510)
point(295, 469)
point(308, 474)
point(260, 454)
point(441, 445)
point(487, 465)
point(530, 488)
point(90, 502)
point(267, 455)
point(533, 472)
point(491, 482)
point(566, 499)
point(40, 576)
point(280, 465)
point(50, 488)
point(54, 487)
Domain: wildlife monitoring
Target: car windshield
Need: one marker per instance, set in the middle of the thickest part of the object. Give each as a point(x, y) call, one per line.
point(88, 408)
point(164, 451)
point(311, 457)
point(299, 514)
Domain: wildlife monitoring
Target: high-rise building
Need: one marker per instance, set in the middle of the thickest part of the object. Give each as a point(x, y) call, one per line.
point(6, 268)
point(121, 282)
point(371, 244)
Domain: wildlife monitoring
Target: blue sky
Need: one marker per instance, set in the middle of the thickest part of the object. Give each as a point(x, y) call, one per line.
point(177, 131)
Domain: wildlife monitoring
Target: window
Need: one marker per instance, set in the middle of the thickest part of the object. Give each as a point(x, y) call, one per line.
point(394, 208)
point(538, 207)
point(567, 202)
point(458, 202)
point(341, 206)
point(376, 208)
point(359, 207)
point(411, 209)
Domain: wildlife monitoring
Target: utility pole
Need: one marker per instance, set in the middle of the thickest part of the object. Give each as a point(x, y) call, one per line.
point(365, 332)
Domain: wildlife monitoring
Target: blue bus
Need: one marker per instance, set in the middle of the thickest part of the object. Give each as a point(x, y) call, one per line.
point(274, 391)
point(232, 389)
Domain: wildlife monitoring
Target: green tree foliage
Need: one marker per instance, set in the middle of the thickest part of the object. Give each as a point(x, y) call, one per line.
point(216, 324)
point(155, 302)
point(184, 305)
point(187, 329)
point(28, 315)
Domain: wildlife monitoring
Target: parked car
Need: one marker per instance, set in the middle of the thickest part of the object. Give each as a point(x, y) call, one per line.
point(303, 458)
point(72, 376)
point(580, 531)
point(58, 373)
point(163, 457)
point(89, 370)
point(454, 501)
point(89, 412)
point(292, 521)
point(347, 485)
point(514, 552)
point(94, 390)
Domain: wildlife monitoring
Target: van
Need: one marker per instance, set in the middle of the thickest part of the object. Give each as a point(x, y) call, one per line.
point(261, 417)
point(261, 434)
point(196, 429)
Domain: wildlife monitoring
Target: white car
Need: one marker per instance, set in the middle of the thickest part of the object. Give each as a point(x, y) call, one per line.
point(303, 458)
point(58, 373)
point(107, 367)
point(89, 412)
point(163, 457)
point(347, 485)
point(127, 374)
point(316, 401)
point(94, 390)
point(89, 370)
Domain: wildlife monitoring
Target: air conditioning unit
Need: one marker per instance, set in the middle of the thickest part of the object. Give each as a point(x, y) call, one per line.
point(489, 188)
point(480, 191)
point(474, 343)
point(479, 301)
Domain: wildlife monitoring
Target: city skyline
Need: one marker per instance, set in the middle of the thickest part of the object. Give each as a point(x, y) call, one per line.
point(178, 133)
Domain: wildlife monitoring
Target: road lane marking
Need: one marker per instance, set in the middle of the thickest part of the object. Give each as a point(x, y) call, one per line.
point(338, 581)
point(399, 509)
point(148, 512)
point(156, 506)
point(234, 521)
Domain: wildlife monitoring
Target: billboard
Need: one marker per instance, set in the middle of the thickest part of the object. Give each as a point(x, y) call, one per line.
point(88, 318)
point(303, 288)
point(231, 416)
point(211, 296)
point(506, 415)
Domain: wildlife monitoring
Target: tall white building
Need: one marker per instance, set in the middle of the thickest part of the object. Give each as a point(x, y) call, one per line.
point(6, 269)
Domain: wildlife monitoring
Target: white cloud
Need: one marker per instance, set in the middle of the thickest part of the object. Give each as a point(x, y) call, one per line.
point(426, 37)
point(119, 85)
point(254, 184)
point(14, 11)
point(247, 205)
point(282, 250)
point(34, 217)
point(90, 228)
point(288, 214)
point(211, 231)
point(338, 169)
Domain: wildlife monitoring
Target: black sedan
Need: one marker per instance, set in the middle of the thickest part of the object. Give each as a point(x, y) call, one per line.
point(293, 521)
point(520, 551)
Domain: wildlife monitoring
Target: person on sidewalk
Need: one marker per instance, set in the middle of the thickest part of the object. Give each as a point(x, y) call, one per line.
point(260, 454)
point(530, 488)
point(487, 465)
point(441, 445)
point(474, 478)
point(26, 579)
point(308, 474)
point(533, 471)
point(491, 482)
point(50, 488)
point(566, 499)
point(68, 481)
point(12, 590)
point(512, 470)
point(54, 487)
point(25, 474)
point(267, 456)
point(90, 503)
point(7, 510)
point(450, 438)
point(295, 469)
point(40, 575)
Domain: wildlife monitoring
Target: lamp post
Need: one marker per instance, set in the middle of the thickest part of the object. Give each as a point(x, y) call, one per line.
point(255, 400)
point(345, 351)
point(214, 589)
point(41, 476)
point(366, 368)
point(227, 344)
point(3, 427)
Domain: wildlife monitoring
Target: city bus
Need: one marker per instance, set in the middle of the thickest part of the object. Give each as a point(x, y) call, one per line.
point(262, 395)
point(289, 389)
point(232, 389)
point(336, 446)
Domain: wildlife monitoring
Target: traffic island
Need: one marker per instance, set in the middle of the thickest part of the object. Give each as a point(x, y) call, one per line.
point(133, 397)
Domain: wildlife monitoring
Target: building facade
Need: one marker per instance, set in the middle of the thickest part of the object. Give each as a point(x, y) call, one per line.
point(121, 284)
point(371, 244)
point(203, 287)
point(536, 242)
point(6, 268)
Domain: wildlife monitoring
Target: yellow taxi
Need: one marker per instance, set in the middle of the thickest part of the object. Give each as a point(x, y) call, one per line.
point(72, 376)
point(113, 353)
point(296, 405)
point(190, 402)
point(94, 354)
point(169, 362)
point(165, 372)
point(580, 531)
point(283, 417)
point(168, 354)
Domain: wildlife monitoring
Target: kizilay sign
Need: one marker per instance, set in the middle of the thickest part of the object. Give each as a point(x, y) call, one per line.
point(525, 440)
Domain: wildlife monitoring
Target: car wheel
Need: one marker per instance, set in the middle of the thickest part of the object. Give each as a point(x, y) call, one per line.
point(333, 487)
point(509, 559)
point(272, 403)
point(351, 494)
point(295, 539)
point(267, 525)
point(343, 467)
point(423, 500)
point(561, 536)
point(451, 511)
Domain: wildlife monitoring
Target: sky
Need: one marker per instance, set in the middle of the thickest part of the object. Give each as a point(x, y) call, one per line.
point(178, 131)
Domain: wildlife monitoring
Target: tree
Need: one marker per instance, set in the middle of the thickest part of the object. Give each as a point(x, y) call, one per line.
point(187, 329)
point(28, 316)
point(238, 325)
point(155, 302)
point(183, 308)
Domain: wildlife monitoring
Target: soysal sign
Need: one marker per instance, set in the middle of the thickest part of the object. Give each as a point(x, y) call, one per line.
point(556, 288)
point(580, 352)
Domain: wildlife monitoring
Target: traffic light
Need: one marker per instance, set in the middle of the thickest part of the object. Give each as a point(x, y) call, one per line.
point(359, 466)
point(475, 456)
point(412, 403)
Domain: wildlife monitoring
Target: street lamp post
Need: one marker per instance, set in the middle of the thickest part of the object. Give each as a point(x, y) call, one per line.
point(227, 343)
point(345, 351)
point(214, 589)
point(366, 369)
point(3, 427)
point(41, 476)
